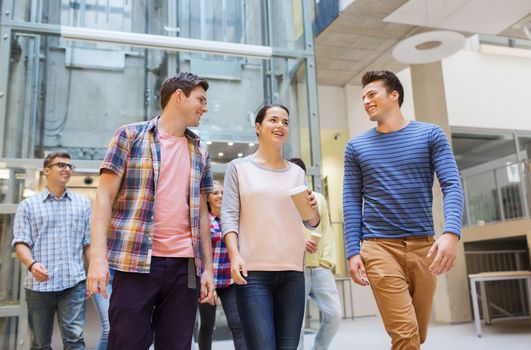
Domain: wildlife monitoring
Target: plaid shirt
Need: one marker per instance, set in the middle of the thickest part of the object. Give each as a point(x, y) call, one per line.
point(221, 260)
point(134, 155)
point(55, 230)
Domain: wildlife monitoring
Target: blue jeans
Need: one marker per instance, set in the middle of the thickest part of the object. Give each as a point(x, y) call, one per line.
point(321, 287)
point(70, 307)
point(207, 314)
point(102, 308)
point(271, 307)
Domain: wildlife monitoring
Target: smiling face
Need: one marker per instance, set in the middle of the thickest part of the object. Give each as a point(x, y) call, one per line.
point(274, 127)
point(192, 106)
point(378, 102)
point(215, 198)
point(59, 171)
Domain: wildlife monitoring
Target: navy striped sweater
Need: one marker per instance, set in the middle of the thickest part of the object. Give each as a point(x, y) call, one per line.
point(387, 189)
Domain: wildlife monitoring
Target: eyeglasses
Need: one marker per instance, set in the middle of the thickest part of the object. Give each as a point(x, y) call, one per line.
point(62, 165)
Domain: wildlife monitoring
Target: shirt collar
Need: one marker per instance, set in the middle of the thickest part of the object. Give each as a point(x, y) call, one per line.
point(213, 217)
point(46, 194)
point(190, 135)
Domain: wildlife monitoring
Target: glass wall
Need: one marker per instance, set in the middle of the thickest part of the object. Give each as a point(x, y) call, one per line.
point(495, 177)
point(256, 22)
point(524, 146)
point(74, 100)
point(68, 92)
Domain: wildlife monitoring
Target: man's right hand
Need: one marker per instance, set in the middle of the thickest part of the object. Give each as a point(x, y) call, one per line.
point(97, 278)
point(357, 270)
point(39, 272)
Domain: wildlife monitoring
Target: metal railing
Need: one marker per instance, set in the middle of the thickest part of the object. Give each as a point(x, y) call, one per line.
point(495, 195)
point(507, 299)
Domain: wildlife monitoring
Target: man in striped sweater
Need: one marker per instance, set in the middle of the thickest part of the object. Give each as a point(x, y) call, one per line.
point(387, 204)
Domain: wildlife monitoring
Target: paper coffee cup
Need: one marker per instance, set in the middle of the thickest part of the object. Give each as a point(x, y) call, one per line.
point(298, 195)
point(316, 237)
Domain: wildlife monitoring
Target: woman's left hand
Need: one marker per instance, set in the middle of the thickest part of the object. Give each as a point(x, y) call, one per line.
point(312, 202)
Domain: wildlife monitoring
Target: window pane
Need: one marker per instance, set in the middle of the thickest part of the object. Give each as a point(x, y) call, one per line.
point(8, 333)
point(255, 22)
point(482, 198)
point(489, 169)
point(75, 96)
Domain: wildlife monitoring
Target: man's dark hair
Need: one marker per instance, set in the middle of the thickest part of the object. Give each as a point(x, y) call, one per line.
point(184, 81)
point(390, 80)
point(50, 157)
point(299, 162)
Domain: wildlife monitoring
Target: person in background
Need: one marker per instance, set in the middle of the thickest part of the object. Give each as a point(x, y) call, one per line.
point(224, 284)
point(319, 279)
point(102, 308)
point(51, 235)
point(263, 232)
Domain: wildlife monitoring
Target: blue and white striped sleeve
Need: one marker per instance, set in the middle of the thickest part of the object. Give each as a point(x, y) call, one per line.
point(448, 174)
point(352, 202)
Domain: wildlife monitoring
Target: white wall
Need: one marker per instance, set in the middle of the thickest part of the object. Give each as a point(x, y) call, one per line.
point(343, 4)
point(358, 121)
point(408, 107)
point(332, 107)
point(482, 91)
point(488, 91)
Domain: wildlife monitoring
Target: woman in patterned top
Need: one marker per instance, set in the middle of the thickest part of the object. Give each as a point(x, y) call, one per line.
point(222, 281)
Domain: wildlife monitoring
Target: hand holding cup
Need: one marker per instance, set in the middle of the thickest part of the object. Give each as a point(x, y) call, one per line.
point(305, 201)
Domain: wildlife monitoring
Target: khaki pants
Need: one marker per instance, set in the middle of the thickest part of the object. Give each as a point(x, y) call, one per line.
point(403, 287)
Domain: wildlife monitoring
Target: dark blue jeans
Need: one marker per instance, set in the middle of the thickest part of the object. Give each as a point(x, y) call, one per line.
point(271, 307)
point(69, 304)
point(207, 314)
point(151, 305)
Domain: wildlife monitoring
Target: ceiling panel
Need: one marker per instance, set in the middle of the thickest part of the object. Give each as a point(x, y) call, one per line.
point(475, 16)
point(360, 39)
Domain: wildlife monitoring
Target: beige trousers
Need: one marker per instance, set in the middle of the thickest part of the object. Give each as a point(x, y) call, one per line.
point(403, 287)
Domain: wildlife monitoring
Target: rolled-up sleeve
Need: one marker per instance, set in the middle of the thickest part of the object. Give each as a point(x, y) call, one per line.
point(22, 226)
point(87, 218)
point(207, 182)
point(118, 152)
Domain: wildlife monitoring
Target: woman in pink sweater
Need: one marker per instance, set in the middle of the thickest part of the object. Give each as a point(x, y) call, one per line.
point(264, 236)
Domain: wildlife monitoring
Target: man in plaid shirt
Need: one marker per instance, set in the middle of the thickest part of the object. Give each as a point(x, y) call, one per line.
point(151, 201)
point(51, 234)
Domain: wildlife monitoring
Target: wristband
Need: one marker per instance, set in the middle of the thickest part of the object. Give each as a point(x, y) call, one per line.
point(31, 265)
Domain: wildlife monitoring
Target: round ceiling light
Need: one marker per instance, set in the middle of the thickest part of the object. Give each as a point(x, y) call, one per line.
point(428, 47)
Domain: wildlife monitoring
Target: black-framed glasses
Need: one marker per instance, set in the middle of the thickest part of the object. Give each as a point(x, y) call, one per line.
point(62, 165)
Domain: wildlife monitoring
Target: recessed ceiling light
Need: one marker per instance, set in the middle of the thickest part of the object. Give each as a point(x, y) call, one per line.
point(240, 155)
point(230, 143)
point(251, 144)
point(220, 154)
point(428, 47)
point(209, 142)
